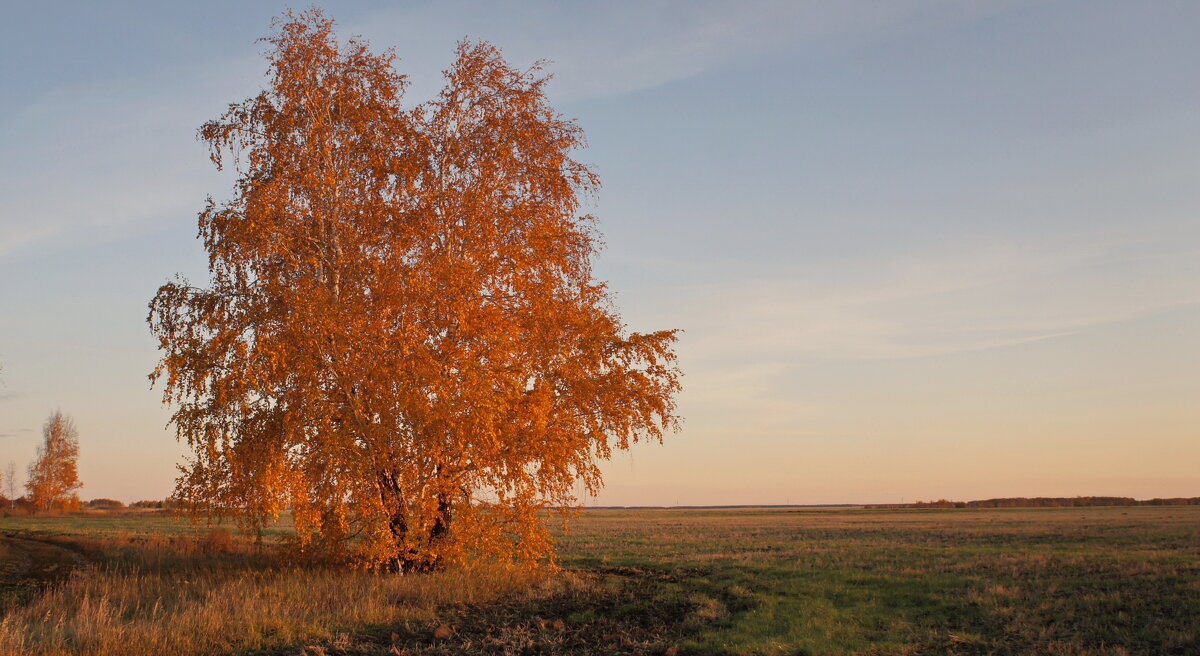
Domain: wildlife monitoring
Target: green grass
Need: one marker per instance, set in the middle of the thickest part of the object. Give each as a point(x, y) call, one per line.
point(1070, 581)
point(1078, 581)
point(121, 524)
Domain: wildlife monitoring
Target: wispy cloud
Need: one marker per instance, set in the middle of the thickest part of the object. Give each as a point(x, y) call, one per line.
point(985, 297)
point(606, 49)
point(95, 159)
point(750, 346)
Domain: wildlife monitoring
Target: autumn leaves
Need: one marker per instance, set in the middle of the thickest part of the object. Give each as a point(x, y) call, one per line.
point(401, 340)
point(53, 475)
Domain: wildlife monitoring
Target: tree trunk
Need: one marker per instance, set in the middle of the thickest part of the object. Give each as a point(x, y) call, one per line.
point(441, 524)
point(423, 559)
point(390, 496)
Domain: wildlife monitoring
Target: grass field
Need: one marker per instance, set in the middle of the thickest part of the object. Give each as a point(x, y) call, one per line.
point(1046, 581)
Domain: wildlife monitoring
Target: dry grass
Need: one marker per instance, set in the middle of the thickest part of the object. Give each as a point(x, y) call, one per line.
point(1083, 582)
point(176, 596)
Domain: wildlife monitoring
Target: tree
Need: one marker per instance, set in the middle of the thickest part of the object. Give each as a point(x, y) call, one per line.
point(10, 483)
point(53, 475)
point(401, 340)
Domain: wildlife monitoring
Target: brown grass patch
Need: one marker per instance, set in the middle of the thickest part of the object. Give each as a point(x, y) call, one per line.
point(218, 595)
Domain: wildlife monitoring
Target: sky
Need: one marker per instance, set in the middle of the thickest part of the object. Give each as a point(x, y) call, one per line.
point(919, 250)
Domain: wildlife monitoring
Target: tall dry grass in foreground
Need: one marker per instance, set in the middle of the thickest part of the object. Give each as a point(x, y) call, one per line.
point(183, 597)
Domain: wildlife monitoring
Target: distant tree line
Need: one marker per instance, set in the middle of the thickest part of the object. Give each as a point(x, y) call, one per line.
point(170, 503)
point(25, 505)
point(1043, 502)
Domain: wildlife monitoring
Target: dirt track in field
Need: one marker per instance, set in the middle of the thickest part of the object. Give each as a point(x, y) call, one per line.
point(28, 564)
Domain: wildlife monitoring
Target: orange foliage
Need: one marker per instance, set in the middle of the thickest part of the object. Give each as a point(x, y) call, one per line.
point(402, 340)
point(54, 475)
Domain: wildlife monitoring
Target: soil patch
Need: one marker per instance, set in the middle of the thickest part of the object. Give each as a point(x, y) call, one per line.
point(28, 565)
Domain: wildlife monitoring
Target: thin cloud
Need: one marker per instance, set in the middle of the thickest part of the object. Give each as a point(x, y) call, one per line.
point(126, 147)
point(96, 160)
point(601, 50)
point(987, 298)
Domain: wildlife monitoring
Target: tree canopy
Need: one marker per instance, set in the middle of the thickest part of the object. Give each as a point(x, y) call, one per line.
point(54, 474)
point(401, 340)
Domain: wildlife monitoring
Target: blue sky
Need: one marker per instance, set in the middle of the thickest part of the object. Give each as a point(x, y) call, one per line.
point(920, 249)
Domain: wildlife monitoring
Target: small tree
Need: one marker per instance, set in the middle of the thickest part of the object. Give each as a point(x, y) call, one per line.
point(402, 340)
point(53, 475)
point(10, 483)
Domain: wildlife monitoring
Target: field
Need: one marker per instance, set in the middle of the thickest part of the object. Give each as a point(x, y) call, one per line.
point(788, 581)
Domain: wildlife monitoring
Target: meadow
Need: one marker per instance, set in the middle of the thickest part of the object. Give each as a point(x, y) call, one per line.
point(1069, 581)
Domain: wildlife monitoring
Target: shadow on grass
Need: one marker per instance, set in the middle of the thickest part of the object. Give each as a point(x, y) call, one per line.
point(29, 565)
point(593, 611)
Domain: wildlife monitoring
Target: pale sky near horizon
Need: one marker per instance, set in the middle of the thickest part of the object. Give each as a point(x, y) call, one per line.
point(919, 249)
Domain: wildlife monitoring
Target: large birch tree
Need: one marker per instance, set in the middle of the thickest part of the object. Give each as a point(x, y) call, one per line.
point(401, 340)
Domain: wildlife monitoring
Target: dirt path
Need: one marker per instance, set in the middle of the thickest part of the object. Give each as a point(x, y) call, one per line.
point(28, 564)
